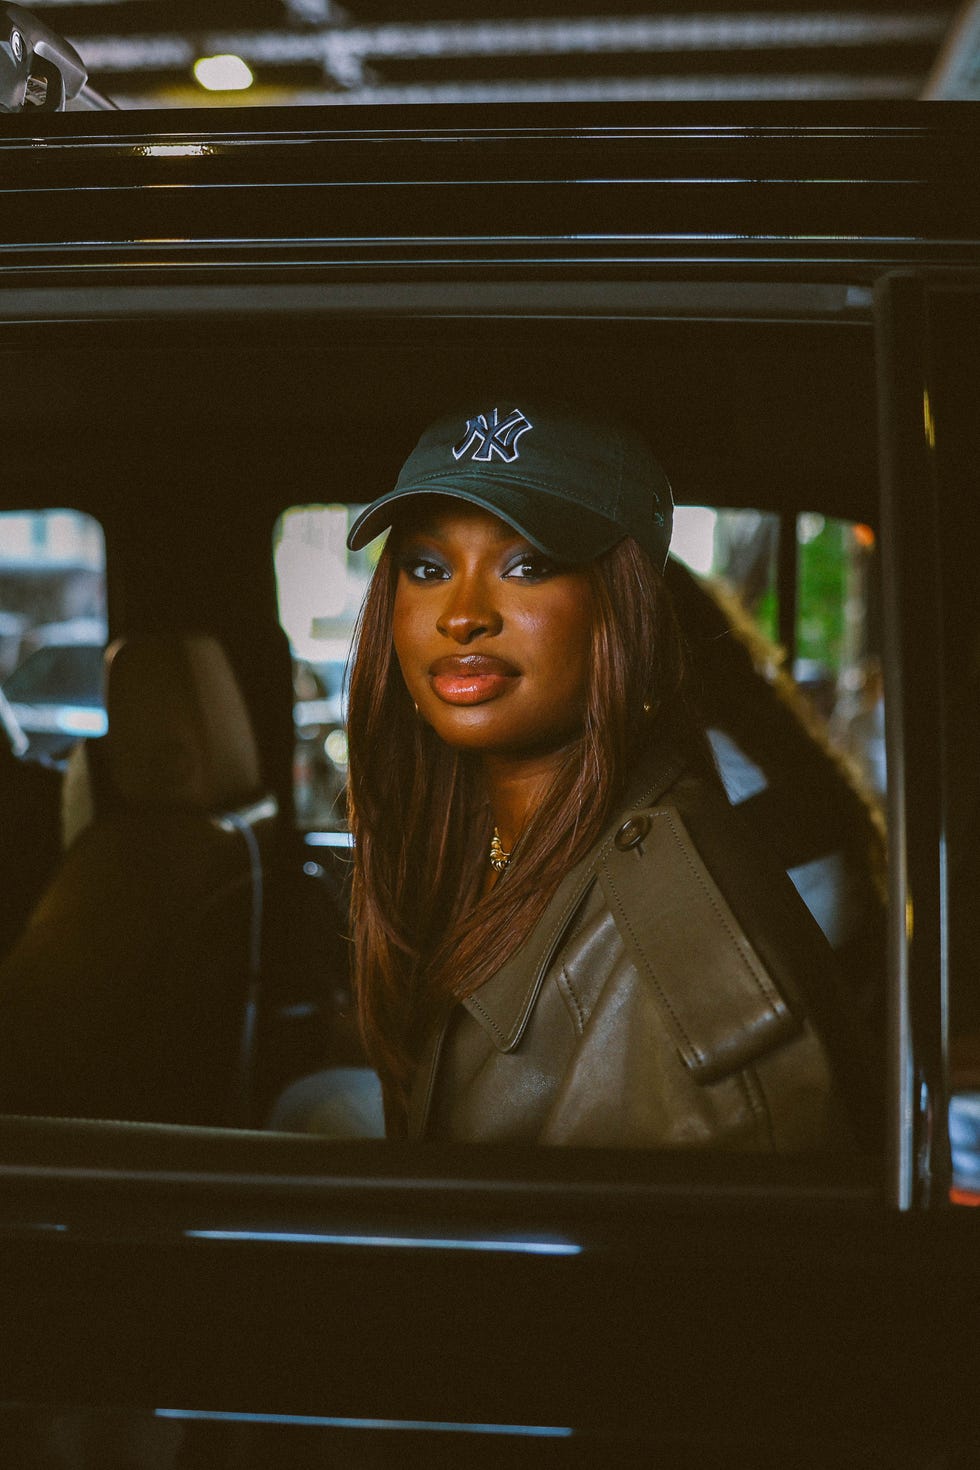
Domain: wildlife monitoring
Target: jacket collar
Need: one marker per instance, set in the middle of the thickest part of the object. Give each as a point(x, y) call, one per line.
point(503, 1004)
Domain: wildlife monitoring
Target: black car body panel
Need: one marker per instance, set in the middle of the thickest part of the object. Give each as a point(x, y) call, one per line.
point(707, 188)
point(238, 274)
point(725, 1310)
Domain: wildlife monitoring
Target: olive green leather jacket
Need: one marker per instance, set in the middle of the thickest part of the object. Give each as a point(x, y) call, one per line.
point(676, 992)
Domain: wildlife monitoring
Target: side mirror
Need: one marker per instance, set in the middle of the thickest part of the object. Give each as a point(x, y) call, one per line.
point(39, 70)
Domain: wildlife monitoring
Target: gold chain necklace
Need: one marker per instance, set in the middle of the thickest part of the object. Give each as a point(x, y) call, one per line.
point(499, 860)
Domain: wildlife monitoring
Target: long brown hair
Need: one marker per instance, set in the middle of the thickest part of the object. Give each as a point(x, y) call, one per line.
point(423, 934)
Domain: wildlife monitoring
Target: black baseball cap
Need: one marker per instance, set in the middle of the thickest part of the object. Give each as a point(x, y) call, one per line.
point(574, 485)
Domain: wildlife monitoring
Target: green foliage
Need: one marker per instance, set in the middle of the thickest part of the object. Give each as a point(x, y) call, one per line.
point(823, 559)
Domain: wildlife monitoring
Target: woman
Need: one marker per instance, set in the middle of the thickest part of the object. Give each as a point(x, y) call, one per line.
point(561, 932)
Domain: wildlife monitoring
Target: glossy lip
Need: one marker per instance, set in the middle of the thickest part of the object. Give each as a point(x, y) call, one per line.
point(471, 678)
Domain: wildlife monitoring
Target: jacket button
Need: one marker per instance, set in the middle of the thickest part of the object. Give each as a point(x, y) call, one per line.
point(632, 832)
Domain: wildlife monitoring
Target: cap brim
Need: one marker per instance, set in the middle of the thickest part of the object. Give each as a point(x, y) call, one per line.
point(566, 532)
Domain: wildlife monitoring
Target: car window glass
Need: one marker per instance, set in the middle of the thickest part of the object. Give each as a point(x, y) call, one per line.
point(71, 673)
point(320, 587)
point(830, 644)
point(52, 627)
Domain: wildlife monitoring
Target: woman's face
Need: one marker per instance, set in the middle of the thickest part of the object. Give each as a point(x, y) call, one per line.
point(494, 640)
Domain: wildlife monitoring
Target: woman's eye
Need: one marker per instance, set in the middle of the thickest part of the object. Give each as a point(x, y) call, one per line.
point(420, 569)
point(530, 568)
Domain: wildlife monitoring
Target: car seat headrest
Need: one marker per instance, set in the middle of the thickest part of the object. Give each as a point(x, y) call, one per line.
point(179, 731)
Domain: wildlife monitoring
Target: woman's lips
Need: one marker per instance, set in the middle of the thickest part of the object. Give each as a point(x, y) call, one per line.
point(471, 679)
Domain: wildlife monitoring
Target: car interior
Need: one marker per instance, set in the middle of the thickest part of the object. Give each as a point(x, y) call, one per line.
point(176, 947)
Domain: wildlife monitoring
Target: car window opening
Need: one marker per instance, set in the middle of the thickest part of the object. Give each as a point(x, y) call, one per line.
point(780, 614)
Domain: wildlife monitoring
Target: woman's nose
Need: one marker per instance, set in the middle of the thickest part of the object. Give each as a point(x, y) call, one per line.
point(469, 611)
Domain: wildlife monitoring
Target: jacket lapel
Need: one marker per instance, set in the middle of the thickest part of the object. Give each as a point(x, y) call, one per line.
point(503, 1005)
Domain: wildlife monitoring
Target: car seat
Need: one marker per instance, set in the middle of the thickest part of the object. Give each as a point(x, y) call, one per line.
point(131, 991)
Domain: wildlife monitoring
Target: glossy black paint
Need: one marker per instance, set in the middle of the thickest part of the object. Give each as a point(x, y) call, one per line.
point(720, 1305)
point(912, 575)
point(704, 187)
point(706, 1311)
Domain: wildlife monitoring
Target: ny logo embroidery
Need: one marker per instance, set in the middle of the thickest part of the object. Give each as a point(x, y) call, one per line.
point(493, 437)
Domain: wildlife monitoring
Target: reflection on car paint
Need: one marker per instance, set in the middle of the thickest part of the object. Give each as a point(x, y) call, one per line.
point(396, 1242)
point(316, 1421)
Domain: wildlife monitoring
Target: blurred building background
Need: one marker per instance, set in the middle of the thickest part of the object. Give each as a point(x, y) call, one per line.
point(178, 53)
